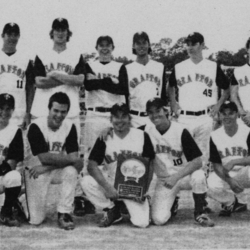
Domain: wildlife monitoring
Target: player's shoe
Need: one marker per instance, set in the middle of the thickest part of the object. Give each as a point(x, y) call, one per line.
point(65, 221)
point(111, 216)
point(19, 211)
point(175, 206)
point(82, 207)
point(204, 220)
point(239, 207)
point(9, 220)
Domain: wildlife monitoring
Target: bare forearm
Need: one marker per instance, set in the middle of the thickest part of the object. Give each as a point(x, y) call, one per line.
point(221, 172)
point(224, 96)
point(46, 82)
point(72, 80)
point(235, 97)
point(172, 97)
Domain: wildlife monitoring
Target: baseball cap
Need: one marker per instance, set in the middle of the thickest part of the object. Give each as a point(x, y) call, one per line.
point(7, 99)
point(11, 28)
point(228, 105)
point(60, 23)
point(119, 107)
point(155, 102)
point(194, 37)
point(108, 39)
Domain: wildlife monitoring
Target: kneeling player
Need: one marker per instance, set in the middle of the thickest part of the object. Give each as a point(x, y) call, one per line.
point(11, 152)
point(229, 150)
point(177, 165)
point(52, 159)
point(99, 186)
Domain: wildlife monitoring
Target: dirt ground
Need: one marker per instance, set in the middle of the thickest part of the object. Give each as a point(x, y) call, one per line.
point(180, 233)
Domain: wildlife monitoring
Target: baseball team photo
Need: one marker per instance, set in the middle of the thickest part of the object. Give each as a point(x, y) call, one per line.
point(124, 124)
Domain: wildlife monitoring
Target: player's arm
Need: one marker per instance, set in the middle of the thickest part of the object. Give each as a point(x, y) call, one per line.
point(95, 159)
point(223, 83)
point(172, 93)
point(164, 85)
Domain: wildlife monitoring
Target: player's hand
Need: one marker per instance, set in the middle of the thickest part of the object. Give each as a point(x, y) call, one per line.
point(235, 186)
point(111, 193)
point(78, 164)
point(91, 77)
point(214, 109)
point(246, 118)
point(34, 172)
point(26, 121)
point(114, 80)
point(105, 133)
point(171, 181)
point(175, 110)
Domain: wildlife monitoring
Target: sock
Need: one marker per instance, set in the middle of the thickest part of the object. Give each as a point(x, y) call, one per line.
point(11, 195)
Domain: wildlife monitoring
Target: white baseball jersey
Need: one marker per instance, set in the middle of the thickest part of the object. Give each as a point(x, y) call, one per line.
point(173, 149)
point(198, 84)
point(145, 82)
point(101, 98)
point(136, 143)
point(42, 139)
point(224, 148)
point(13, 79)
point(64, 63)
point(242, 75)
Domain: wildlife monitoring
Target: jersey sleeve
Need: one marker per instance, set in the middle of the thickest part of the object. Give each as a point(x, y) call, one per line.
point(190, 148)
point(36, 140)
point(30, 76)
point(172, 79)
point(233, 80)
point(148, 149)
point(214, 154)
point(97, 153)
point(221, 79)
point(79, 69)
point(39, 69)
point(16, 148)
point(71, 143)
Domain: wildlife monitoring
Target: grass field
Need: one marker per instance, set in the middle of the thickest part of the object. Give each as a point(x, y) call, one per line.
point(180, 233)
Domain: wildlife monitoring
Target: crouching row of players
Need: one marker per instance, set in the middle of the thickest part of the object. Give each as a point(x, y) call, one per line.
point(52, 158)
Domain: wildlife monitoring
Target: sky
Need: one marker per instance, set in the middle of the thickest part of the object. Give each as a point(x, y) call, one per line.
point(225, 24)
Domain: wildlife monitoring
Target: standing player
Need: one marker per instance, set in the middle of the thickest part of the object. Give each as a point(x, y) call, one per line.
point(11, 152)
point(16, 75)
point(229, 154)
point(177, 166)
point(105, 84)
point(58, 70)
point(197, 80)
point(146, 79)
point(240, 89)
point(98, 186)
point(52, 159)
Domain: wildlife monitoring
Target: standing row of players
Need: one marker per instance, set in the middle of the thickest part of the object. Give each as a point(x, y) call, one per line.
point(107, 82)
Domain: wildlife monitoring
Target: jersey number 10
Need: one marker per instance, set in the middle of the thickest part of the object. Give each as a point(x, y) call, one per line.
point(177, 162)
point(19, 84)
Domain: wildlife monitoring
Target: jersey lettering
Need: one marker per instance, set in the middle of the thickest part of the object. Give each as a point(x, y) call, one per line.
point(142, 78)
point(113, 158)
point(56, 147)
point(233, 151)
point(13, 70)
point(243, 82)
point(198, 78)
point(60, 67)
point(168, 150)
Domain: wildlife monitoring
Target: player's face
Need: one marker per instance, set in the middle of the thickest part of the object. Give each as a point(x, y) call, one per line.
point(57, 114)
point(104, 48)
point(10, 39)
point(141, 47)
point(121, 122)
point(60, 36)
point(229, 117)
point(194, 49)
point(5, 114)
point(157, 116)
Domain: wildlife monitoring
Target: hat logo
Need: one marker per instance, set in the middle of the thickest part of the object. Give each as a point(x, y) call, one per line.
point(60, 19)
point(12, 24)
point(7, 96)
point(120, 104)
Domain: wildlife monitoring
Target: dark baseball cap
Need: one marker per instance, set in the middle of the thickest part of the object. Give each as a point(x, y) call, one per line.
point(119, 107)
point(108, 39)
point(194, 37)
point(11, 28)
point(7, 99)
point(155, 102)
point(60, 23)
point(228, 105)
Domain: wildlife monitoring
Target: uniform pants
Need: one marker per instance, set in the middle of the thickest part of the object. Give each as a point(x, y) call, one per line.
point(37, 190)
point(163, 197)
point(139, 212)
point(220, 191)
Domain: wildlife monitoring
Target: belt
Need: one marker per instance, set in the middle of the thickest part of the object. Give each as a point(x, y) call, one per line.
point(133, 112)
point(195, 113)
point(100, 109)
